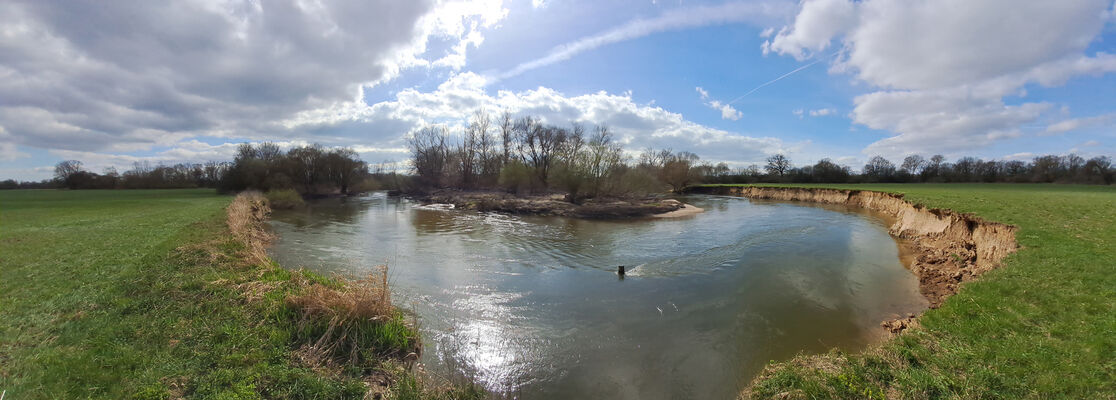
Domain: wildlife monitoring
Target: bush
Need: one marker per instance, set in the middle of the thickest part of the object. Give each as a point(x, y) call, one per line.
point(285, 199)
point(516, 177)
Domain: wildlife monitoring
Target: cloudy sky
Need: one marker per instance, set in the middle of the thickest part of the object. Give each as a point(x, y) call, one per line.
point(111, 83)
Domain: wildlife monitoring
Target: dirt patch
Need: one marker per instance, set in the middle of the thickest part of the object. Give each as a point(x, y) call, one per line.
point(553, 205)
point(949, 247)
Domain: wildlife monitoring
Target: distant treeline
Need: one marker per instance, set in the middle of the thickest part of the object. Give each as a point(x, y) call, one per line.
point(71, 174)
point(526, 156)
point(309, 170)
point(915, 168)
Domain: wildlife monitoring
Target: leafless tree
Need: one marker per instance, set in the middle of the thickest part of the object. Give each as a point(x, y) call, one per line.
point(913, 164)
point(430, 153)
point(678, 171)
point(65, 169)
point(778, 165)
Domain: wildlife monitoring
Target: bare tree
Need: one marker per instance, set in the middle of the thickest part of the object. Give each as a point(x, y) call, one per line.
point(507, 135)
point(879, 168)
point(777, 165)
point(343, 167)
point(678, 171)
point(65, 169)
point(913, 164)
point(539, 144)
point(605, 156)
point(429, 153)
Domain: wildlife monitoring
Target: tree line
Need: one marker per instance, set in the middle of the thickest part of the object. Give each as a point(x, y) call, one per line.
point(308, 170)
point(526, 156)
point(71, 174)
point(918, 169)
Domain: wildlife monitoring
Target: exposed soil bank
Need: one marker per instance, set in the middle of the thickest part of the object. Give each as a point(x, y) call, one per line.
point(950, 247)
point(552, 205)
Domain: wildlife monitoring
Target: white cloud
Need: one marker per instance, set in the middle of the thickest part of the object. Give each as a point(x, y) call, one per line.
point(821, 112)
point(817, 23)
point(727, 112)
point(942, 68)
point(676, 19)
point(1074, 124)
point(128, 76)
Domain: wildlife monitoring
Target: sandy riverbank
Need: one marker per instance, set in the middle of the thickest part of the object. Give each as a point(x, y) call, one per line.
point(686, 211)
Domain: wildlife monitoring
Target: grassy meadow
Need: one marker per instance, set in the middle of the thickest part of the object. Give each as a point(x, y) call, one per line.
point(146, 294)
point(1041, 326)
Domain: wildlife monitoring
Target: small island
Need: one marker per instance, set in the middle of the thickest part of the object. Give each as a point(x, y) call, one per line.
point(559, 205)
point(524, 166)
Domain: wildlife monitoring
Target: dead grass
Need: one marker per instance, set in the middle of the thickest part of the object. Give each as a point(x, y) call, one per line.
point(246, 215)
point(364, 299)
point(352, 323)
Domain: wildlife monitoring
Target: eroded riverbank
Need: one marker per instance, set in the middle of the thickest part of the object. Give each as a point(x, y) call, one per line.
point(950, 247)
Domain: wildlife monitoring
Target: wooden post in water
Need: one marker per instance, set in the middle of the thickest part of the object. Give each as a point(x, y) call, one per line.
point(620, 271)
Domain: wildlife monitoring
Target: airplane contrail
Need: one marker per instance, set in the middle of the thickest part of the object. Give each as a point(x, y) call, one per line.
point(780, 78)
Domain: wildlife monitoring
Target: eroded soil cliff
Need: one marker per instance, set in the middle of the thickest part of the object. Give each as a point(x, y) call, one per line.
point(951, 247)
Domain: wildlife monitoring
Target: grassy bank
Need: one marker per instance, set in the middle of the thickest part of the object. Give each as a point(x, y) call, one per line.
point(1041, 326)
point(147, 294)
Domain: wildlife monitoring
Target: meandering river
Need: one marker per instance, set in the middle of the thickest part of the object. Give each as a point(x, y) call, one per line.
point(532, 307)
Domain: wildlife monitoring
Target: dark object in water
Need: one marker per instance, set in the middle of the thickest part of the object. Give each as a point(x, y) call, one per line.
point(620, 271)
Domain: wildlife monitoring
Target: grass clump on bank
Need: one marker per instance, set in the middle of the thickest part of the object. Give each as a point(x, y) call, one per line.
point(1041, 326)
point(162, 294)
point(353, 324)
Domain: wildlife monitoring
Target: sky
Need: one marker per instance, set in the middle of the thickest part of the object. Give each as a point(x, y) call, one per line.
point(115, 83)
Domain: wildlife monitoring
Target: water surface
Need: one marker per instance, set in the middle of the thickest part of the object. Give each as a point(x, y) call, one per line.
point(532, 307)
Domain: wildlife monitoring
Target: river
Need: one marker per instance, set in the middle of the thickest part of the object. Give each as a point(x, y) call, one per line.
point(532, 307)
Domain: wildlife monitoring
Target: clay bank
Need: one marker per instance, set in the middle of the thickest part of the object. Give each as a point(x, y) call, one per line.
point(949, 247)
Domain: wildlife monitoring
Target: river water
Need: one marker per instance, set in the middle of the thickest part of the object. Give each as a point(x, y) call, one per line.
point(532, 307)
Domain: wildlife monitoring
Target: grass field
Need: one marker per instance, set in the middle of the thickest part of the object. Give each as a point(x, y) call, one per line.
point(1042, 326)
point(145, 294)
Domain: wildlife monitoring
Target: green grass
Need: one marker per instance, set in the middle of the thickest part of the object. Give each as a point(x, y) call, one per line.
point(143, 294)
point(1041, 326)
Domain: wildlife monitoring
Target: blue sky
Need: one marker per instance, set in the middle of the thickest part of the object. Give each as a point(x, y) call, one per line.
point(113, 84)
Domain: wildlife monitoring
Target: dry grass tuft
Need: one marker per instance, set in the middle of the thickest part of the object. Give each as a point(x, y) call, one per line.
point(360, 299)
point(246, 216)
point(353, 323)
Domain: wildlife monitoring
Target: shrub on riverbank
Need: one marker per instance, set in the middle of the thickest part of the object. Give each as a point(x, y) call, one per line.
point(285, 199)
